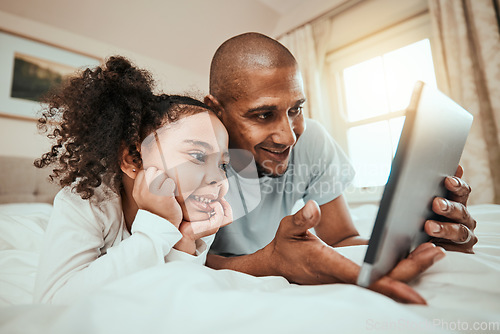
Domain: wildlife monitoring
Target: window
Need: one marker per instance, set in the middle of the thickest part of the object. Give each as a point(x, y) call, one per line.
point(373, 80)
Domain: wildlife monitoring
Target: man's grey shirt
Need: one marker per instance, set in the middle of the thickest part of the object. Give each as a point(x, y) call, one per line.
point(318, 170)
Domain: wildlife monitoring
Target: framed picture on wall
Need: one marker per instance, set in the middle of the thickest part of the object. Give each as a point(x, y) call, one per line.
point(29, 69)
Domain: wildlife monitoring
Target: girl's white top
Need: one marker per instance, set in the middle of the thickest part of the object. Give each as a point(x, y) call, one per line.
point(87, 244)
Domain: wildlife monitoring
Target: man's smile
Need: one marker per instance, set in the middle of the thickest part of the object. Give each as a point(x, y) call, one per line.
point(276, 154)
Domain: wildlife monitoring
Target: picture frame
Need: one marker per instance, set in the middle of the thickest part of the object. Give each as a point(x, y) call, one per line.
point(29, 68)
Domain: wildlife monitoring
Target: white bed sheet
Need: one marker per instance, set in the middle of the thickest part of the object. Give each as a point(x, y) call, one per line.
point(462, 290)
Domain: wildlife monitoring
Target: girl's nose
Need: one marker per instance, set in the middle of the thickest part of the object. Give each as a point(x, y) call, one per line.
point(215, 176)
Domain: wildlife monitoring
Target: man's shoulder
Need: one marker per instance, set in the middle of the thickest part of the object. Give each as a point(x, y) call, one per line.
point(314, 133)
point(313, 141)
point(314, 128)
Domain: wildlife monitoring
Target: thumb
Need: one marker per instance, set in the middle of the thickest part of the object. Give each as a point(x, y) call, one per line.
point(307, 217)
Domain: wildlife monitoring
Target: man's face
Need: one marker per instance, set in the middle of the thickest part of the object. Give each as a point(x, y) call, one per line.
point(266, 116)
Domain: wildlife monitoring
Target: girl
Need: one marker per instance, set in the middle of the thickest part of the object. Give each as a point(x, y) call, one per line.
point(143, 180)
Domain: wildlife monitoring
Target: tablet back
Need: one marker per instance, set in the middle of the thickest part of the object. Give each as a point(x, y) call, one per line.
point(431, 144)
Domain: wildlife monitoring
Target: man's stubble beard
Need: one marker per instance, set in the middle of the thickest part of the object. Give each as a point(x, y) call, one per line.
point(261, 171)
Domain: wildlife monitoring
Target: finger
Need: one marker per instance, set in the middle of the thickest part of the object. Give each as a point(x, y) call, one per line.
point(186, 228)
point(342, 270)
point(458, 189)
point(141, 176)
point(167, 187)
point(460, 172)
point(450, 246)
point(306, 218)
point(150, 174)
point(421, 248)
point(156, 183)
point(458, 233)
point(138, 182)
point(456, 212)
point(202, 228)
point(228, 212)
point(418, 261)
point(337, 268)
point(218, 213)
point(397, 290)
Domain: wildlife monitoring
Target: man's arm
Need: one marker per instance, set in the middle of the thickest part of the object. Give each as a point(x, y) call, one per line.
point(336, 227)
point(257, 264)
point(301, 257)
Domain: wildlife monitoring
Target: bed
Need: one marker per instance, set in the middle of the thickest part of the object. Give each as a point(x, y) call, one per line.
point(462, 290)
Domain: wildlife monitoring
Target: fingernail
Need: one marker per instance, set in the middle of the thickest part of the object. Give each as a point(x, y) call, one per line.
point(436, 228)
point(454, 181)
point(443, 204)
point(440, 255)
point(307, 212)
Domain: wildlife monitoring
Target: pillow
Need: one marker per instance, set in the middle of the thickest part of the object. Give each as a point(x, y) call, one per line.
point(25, 208)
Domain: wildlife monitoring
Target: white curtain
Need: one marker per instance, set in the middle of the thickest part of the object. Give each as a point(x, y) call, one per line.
point(467, 50)
point(309, 46)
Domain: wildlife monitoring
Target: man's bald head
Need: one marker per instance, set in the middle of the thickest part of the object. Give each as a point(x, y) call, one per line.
point(240, 54)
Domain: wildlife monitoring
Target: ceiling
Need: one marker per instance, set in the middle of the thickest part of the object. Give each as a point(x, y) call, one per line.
point(282, 7)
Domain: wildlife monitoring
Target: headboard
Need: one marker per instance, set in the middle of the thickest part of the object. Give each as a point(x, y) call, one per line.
point(21, 182)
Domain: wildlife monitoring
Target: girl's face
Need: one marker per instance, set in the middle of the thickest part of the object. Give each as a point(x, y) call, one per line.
point(195, 154)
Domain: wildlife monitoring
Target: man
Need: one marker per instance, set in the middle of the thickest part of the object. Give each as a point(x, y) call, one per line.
point(256, 90)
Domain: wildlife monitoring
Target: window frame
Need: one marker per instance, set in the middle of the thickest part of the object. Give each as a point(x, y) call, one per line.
point(397, 36)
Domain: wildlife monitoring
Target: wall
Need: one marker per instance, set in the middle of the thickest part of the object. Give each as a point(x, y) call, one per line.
point(20, 138)
point(184, 33)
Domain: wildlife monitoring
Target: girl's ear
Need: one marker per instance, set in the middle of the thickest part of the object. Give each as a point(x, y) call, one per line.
point(213, 103)
point(127, 164)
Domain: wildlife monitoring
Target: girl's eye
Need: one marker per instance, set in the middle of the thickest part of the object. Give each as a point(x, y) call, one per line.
point(224, 166)
point(199, 156)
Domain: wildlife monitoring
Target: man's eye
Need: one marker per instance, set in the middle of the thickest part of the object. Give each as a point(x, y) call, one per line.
point(199, 156)
point(295, 111)
point(264, 115)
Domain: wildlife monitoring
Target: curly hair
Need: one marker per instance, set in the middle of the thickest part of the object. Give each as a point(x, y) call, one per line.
point(97, 114)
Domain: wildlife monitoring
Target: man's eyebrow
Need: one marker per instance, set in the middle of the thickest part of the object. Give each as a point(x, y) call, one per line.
point(299, 102)
point(270, 107)
point(199, 143)
point(266, 107)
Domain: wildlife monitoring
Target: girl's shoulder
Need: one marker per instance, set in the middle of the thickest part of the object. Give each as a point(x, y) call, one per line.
point(104, 206)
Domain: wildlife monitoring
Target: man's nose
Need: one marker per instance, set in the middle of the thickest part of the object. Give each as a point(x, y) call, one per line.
point(284, 133)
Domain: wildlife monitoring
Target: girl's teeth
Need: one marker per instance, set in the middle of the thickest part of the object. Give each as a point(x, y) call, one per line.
point(202, 199)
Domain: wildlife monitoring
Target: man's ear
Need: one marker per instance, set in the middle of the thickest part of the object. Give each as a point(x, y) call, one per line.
point(127, 164)
point(213, 103)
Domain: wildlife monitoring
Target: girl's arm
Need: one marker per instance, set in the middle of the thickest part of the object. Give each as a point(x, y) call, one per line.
point(72, 262)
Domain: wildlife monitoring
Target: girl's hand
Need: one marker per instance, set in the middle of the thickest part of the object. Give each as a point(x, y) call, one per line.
point(154, 192)
point(192, 231)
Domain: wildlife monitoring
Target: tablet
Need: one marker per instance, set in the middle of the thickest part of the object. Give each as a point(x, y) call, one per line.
point(431, 144)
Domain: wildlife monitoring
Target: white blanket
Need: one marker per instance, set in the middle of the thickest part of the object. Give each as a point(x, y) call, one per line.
point(462, 290)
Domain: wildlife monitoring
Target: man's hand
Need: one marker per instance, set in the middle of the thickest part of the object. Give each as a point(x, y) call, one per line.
point(457, 234)
point(303, 258)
